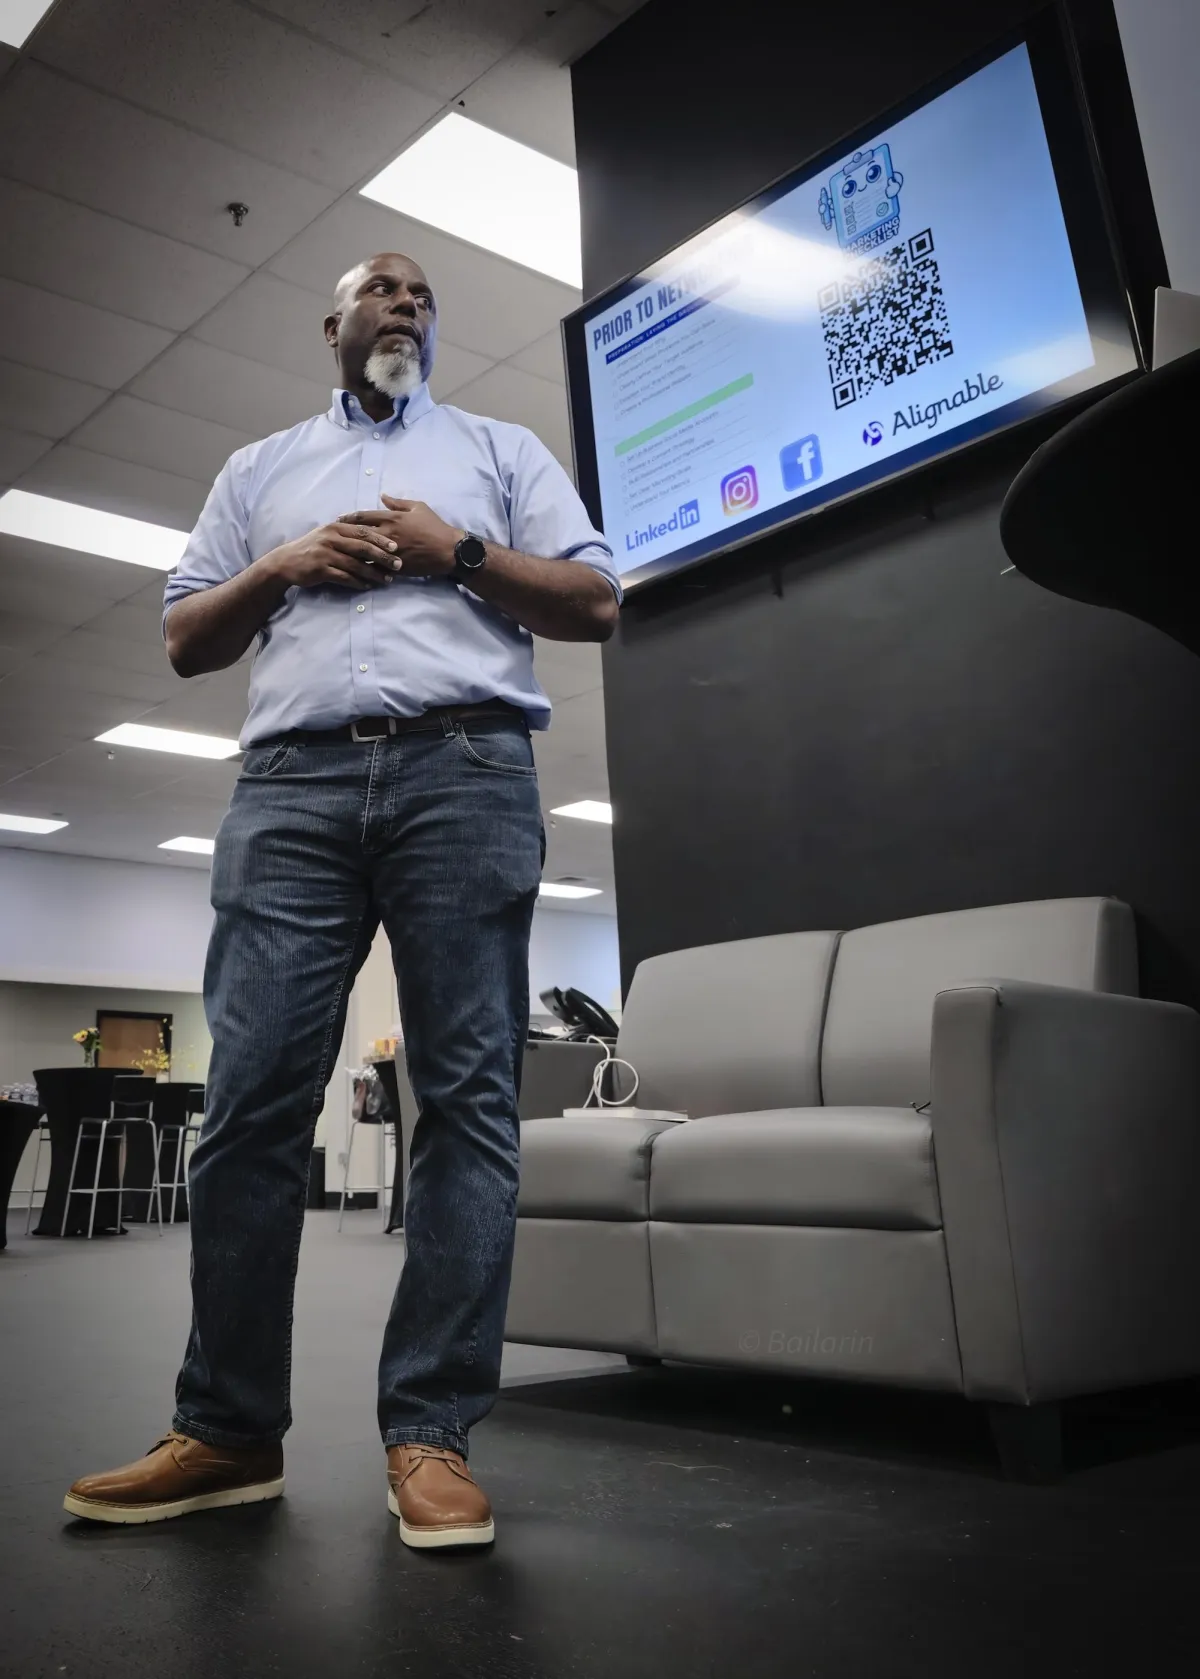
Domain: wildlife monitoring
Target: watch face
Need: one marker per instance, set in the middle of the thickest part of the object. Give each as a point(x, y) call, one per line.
point(470, 552)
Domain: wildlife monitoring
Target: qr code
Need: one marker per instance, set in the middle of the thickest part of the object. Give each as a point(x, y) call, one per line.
point(885, 320)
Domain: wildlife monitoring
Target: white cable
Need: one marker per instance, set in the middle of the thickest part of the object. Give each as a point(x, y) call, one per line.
point(600, 1069)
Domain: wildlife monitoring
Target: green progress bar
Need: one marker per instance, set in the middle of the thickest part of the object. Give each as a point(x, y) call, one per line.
point(682, 414)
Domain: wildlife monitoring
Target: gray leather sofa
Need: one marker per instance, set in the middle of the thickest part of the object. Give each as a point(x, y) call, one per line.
point(957, 1152)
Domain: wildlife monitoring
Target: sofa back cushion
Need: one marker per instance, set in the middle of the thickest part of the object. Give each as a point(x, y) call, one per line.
point(880, 1018)
point(730, 1028)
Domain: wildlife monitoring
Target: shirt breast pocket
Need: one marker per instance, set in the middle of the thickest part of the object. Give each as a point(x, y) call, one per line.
point(474, 506)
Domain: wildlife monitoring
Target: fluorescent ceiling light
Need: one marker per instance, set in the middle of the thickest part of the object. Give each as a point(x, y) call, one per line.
point(586, 810)
point(188, 842)
point(30, 824)
point(169, 740)
point(63, 524)
point(557, 889)
point(19, 19)
point(490, 190)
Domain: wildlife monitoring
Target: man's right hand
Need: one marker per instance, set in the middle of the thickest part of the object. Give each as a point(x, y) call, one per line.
point(348, 556)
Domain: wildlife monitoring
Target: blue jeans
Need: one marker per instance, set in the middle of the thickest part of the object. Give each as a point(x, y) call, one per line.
point(439, 836)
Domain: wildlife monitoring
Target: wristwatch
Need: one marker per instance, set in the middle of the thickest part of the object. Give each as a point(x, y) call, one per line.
point(470, 556)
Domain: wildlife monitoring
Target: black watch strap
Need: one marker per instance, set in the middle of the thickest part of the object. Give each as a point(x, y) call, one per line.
point(470, 554)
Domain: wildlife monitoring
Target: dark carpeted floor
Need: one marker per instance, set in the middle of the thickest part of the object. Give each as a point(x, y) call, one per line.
point(649, 1523)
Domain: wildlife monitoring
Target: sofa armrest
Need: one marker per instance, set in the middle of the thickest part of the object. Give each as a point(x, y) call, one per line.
point(1066, 1132)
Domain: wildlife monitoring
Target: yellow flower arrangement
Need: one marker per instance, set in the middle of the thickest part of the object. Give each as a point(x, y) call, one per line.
point(152, 1062)
point(88, 1039)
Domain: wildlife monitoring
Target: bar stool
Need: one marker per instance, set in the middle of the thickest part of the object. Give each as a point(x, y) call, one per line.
point(126, 1093)
point(382, 1119)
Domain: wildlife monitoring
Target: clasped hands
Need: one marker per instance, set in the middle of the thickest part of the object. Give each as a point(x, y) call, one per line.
point(366, 549)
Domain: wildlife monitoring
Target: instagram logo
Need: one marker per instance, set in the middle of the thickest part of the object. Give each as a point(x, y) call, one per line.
point(739, 490)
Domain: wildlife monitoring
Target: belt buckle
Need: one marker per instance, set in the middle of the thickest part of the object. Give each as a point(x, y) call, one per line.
point(365, 740)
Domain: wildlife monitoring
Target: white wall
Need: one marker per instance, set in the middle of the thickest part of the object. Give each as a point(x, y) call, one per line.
point(90, 921)
point(1161, 42)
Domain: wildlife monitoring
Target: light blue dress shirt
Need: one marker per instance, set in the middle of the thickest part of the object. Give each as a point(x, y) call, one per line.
point(329, 655)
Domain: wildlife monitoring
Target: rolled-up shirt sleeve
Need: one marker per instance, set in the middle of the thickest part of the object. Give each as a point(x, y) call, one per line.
point(547, 517)
point(218, 548)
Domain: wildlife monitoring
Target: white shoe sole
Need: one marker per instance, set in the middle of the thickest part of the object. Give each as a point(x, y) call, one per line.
point(93, 1510)
point(435, 1538)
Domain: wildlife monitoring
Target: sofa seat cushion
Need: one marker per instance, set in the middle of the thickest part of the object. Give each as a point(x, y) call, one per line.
point(593, 1167)
point(870, 1168)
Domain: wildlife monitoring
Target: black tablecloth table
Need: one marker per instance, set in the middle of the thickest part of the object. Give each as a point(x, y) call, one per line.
point(69, 1095)
point(17, 1120)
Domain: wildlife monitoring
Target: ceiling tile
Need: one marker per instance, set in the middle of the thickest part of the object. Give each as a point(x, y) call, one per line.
point(443, 46)
point(96, 649)
point(142, 432)
point(112, 157)
point(276, 323)
point(96, 259)
point(505, 393)
point(196, 378)
point(140, 492)
point(209, 708)
point(454, 367)
point(528, 94)
point(242, 78)
point(545, 358)
point(42, 402)
point(18, 451)
point(484, 303)
point(60, 586)
point(28, 635)
point(133, 619)
point(133, 688)
point(76, 713)
point(40, 330)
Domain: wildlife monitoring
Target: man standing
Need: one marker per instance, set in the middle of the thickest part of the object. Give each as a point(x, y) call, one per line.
point(392, 557)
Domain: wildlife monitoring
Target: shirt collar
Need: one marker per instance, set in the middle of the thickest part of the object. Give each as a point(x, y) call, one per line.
point(406, 411)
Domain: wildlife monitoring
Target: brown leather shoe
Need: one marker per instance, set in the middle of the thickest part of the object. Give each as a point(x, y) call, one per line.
point(177, 1476)
point(438, 1503)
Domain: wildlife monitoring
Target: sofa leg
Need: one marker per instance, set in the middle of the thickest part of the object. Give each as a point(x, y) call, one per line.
point(642, 1361)
point(1028, 1441)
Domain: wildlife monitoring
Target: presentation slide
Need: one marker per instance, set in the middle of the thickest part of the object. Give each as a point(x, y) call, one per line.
point(920, 283)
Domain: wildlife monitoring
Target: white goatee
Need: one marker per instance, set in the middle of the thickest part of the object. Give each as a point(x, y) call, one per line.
point(395, 372)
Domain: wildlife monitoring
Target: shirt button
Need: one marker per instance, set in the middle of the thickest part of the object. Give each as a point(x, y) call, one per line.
point(360, 609)
point(375, 435)
point(362, 667)
point(370, 472)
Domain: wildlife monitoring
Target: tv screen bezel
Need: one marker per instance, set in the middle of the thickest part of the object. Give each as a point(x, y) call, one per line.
point(1095, 249)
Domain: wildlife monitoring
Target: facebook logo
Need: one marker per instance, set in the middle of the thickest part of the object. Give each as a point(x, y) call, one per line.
point(800, 462)
point(689, 514)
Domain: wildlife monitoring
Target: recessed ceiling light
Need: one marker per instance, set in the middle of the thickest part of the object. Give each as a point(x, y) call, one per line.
point(19, 19)
point(169, 740)
point(490, 190)
point(63, 524)
point(30, 824)
point(556, 889)
point(586, 810)
point(188, 842)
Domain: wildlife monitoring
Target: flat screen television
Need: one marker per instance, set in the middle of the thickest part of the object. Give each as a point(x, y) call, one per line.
point(934, 279)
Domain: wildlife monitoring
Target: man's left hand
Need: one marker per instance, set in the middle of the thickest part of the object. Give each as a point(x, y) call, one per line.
point(424, 541)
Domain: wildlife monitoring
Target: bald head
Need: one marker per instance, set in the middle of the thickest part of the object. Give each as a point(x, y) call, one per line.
point(382, 306)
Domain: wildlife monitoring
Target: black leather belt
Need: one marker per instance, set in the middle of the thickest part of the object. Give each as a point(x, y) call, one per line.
point(366, 729)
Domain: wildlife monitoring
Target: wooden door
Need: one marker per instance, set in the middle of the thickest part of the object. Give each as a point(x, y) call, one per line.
point(126, 1038)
